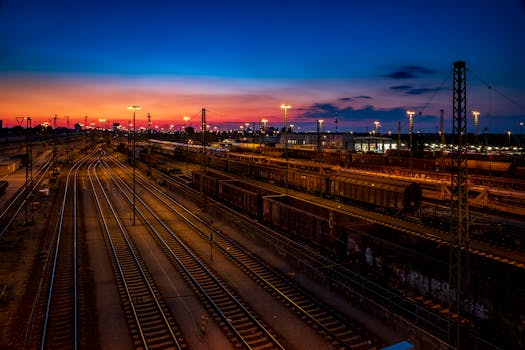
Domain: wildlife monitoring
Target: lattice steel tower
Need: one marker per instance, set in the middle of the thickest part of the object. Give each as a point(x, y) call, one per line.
point(459, 210)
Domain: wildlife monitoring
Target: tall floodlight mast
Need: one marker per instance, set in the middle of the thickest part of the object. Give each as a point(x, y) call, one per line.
point(459, 210)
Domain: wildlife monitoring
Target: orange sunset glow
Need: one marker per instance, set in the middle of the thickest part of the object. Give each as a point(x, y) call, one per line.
point(166, 100)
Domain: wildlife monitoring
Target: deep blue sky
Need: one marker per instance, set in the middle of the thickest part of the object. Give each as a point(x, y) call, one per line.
point(357, 61)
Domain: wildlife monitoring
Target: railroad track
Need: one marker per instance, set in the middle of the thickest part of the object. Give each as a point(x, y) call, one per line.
point(431, 319)
point(150, 322)
point(337, 328)
point(242, 325)
point(60, 304)
point(11, 211)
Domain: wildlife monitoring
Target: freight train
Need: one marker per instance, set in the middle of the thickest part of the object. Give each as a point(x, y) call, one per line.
point(384, 254)
point(392, 195)
point(318, 226)
point(435, 161)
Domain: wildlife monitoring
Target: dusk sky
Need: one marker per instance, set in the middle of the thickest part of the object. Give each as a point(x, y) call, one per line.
point(354, 61)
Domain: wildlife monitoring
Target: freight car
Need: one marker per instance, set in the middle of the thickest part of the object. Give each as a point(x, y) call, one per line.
point(3, 186)
point(399, 196)
point(208, 182)
point(299, 180)
point(243, 196)
point(316, 225)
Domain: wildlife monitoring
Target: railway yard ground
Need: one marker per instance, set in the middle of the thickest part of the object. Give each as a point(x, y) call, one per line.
point(27, 251)
point(24, 252)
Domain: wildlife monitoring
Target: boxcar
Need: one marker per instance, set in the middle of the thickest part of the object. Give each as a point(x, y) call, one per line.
point(220, 163)
point(397, 195)
point(308, 222)
point(268, 173)
point(239, 167)
point(3, 186)
point(244, 196)
point(307, 182)
point(210, 182)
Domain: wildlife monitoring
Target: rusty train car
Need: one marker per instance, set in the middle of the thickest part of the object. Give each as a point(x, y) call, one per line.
point(393, 195)
point(3, 186)
point(376, 251)
point(313, 224)
point(400, 196)
point(316, 225)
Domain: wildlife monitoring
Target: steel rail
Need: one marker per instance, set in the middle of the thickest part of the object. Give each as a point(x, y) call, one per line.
point(117, 254)
point(40, 176)
point(197, 263)
point(302, 301)
point(72, 173)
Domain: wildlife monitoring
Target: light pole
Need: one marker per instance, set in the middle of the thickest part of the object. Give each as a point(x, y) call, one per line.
point(476, 120)
point(29, 166)
point(508, 134)
point(286, 107)
point(149, 145)
point(377, 125)
point(411, 123)
point(134, 109)
point(264, 121)
point(319, 127)
point(186, 119)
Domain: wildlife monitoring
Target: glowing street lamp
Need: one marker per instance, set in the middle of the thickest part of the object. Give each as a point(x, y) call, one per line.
point(476, 119)
point(377, 125)
point(103, 121)
point(264, 121)
point(134, 109)
point(186, 119)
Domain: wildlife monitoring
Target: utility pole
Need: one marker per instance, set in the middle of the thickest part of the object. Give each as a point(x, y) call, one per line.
point(85, 131)
point(398, 135)
point(459, 210)
point(442, 128)
point(134, 109)
point(55, 165)
point(29, 167)
point(203, 160)
point(149, 145)
point(68, 150)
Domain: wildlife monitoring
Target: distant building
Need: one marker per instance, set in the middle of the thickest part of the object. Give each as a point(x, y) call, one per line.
point(338, 141)
point(1, 123)
point(116, 126)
